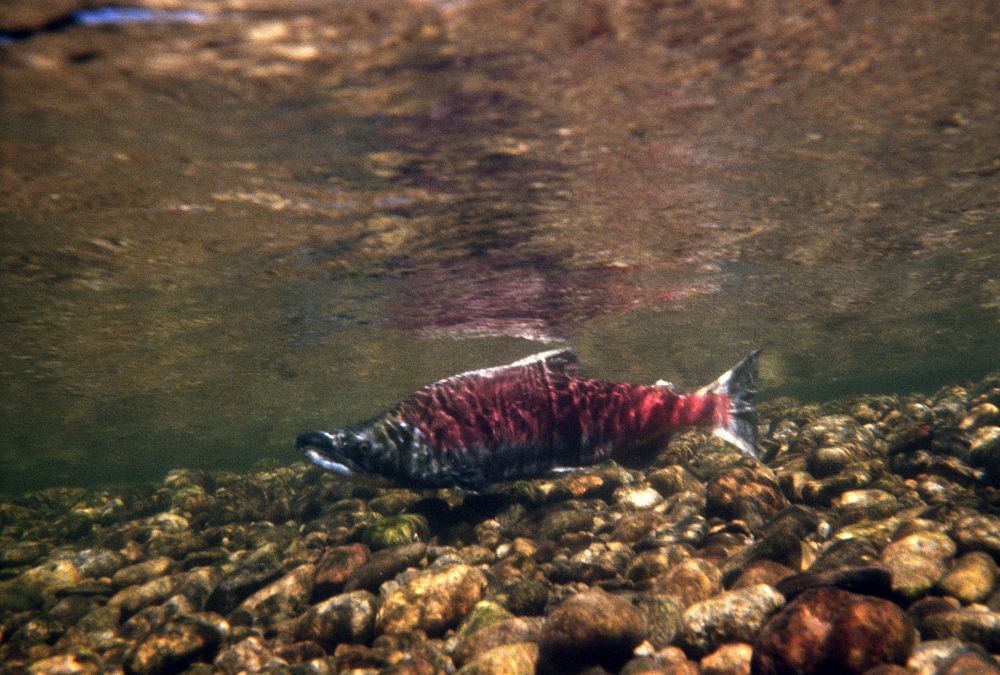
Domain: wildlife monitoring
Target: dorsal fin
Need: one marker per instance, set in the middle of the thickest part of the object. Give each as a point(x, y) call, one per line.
point(558, 360)
point(562, 360)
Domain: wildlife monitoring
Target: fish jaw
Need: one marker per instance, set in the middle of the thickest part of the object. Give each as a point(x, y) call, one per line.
point(321, 447)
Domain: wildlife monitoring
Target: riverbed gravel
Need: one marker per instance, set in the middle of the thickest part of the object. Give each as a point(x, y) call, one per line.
point(867, 537)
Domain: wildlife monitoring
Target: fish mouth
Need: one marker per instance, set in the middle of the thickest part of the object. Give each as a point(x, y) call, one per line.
point(320, 448)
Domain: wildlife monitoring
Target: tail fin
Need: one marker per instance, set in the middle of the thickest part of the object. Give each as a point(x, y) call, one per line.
point(740, 385)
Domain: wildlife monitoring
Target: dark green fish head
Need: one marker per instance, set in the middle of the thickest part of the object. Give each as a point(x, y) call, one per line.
point(343, 451)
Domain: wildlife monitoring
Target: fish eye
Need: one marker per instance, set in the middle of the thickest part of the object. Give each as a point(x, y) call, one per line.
point(364, 446)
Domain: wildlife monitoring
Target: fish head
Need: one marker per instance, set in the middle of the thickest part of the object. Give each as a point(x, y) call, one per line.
point(344, 451)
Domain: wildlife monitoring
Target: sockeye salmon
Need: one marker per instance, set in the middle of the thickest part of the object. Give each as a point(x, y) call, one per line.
point(531, 417)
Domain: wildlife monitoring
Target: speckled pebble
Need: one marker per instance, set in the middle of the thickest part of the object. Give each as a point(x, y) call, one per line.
point(349, 617)
point(984, 451)
point(971, 578)
point(174, 647)
point(638, 498)
point(74, 663)
point(951, 656)
point(917, 561)
point(520, 658)
point(251, 655)
point(978, 532)
point(732, 658)
point(750, 494)
point(690, 581)
point(976, 625)
point(433, 601)
point(733, 616)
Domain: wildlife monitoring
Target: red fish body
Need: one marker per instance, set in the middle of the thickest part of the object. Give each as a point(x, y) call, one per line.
point(529, 418)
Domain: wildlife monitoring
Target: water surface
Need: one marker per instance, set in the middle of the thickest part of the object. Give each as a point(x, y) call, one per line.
point(218, 234)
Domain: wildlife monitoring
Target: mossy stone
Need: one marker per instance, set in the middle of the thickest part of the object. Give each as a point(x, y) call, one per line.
point(483, 614)
point(395, 530)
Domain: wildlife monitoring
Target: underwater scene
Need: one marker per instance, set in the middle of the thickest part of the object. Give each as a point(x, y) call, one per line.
point(421, 336)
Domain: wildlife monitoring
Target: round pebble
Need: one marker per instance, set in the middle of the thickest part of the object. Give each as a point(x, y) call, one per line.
point(433, 601)
point(592, 628)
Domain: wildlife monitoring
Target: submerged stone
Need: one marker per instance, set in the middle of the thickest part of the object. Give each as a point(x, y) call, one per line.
point(389, 531)
point(483, 614)
point(144, 571)
point(591, 628)
point(971, 578)
point(173, 648)
point(826, 629)
point(729, 659)
point(917, 561)
point(432, 601)
point(951, 656)
point(690, 581)
point(345, 618)
point(733, 616)
point(750, 494)
point(967, 624)
point(335, 567)
point(251, 655)
point(978, 532)
point(516, 630)
point(384, 565)
point(520, 658)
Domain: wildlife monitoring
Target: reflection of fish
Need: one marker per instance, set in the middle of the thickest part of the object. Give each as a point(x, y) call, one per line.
point(533, 416)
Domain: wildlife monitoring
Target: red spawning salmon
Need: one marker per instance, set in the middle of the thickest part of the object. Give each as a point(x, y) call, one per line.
point(531, 417)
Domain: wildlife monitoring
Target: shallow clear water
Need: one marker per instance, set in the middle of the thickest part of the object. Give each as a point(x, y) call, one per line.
point(218, 235)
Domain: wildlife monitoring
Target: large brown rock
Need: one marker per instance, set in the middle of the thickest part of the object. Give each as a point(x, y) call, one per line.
point(592, 628)
point(830, 630)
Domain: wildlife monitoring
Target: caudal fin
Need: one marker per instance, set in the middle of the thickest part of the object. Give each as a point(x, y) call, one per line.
point(740, 385)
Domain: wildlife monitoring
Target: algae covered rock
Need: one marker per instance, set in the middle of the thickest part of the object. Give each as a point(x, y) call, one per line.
point(396, 530)
point(484, 614)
